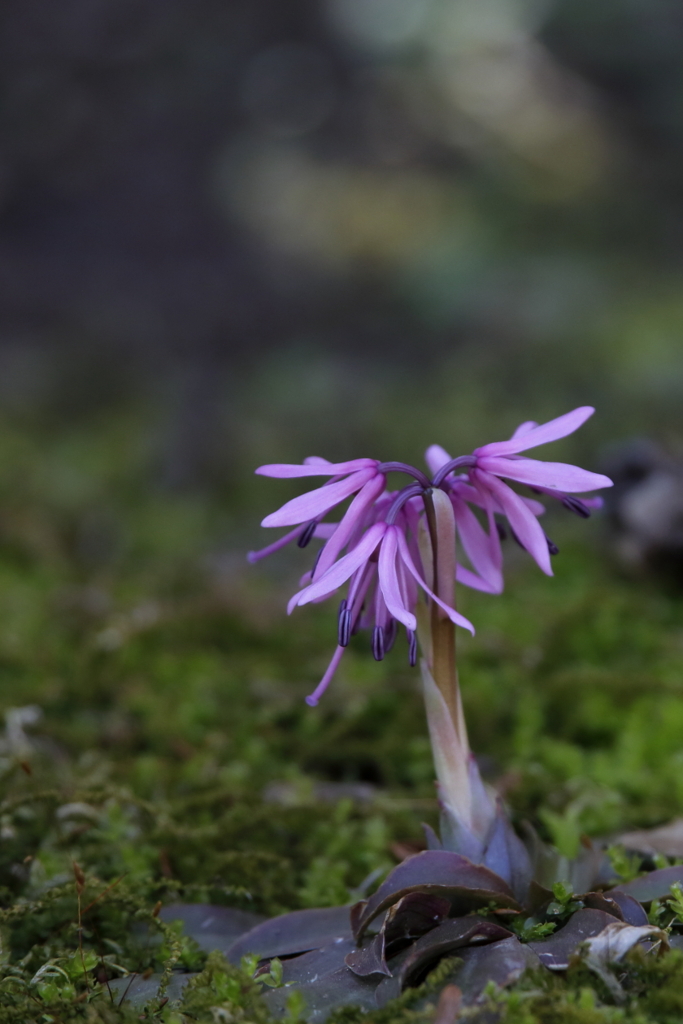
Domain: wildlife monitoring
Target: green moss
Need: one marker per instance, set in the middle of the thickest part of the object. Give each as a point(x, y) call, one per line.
point(171, 686)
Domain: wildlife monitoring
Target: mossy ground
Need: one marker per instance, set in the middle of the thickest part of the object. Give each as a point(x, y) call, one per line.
point(175, 757)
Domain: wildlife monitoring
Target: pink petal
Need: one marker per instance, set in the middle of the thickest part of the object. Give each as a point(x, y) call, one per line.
point(521, 518)
point(314, 697)
point(319, 467)
point(454, 616)
point(355, 512)
point(556, 476)
point(534, 506)
point(478, 546)
point(551, 431)
point(316, 503)
point(524, 428)
point(470, 579)
point(341, 570)
point(256, 556)
point(388, 579)
point(436, 457)
point(325, 530)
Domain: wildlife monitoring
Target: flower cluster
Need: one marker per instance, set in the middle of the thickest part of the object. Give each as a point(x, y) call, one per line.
point(378, 545)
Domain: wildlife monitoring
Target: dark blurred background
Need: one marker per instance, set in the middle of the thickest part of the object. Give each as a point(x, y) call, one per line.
point(340, 225)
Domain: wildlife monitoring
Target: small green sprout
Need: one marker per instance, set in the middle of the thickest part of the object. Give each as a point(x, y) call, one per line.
point(626, 865)
point(564, 904)
point(273, 978)
point(530, 930)
point(676, 903)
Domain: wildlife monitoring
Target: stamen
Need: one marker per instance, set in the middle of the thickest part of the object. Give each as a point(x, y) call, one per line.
point(412, 648)
point(552, 547)
point(378, 643)
point(307, 534)
point(461, 461)
point(344, 625)
point(502, 532)
point(390, 635)
point(576, 505)
point(315, 563)
point(403, 467)
point(400, 500)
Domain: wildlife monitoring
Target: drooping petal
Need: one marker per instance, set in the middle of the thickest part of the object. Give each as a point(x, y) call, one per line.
point(454, 616)
point(319, 467)
point(534, 506)
point(354, 514)
point(324, 531)
point(556, 476)
point(478, 546)
point(553, 430)
point(256, 556)
point(471, 579)
point(341, 571)
point(389, 582)
point(314, 697)
point(521, 519)
point(436, 457)
point(318, 502)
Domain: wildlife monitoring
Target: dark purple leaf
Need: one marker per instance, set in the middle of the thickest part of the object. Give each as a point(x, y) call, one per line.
point(538, 898)
point(210, 926)
point(293, 933)
point(631, 909)
point(433, 841)
point(501, 962)
point(411, 917)
point(454, 937)
point(600, 901)
point(370, 959)
point(467, 886)
point(324, 981)
point(555, 951)
point(452, 934)
point(653, 886)
point(508, 857)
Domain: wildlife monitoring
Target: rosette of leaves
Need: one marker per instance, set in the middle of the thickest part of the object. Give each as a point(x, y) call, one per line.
point(440, 904)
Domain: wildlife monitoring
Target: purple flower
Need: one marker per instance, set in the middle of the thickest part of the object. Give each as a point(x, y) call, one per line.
point(482, 486)
point(382, 567)
point(375, 548)
point(502, 459)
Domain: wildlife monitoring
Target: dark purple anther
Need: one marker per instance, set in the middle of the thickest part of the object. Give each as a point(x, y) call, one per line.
point(307, 534)
point(576, 505)
point(390, 635)
point(552, 547)
point(412, 648)
point(378, 643)
point(502, 532)
point(403, 467)
point(317, 559)
point(344, 625)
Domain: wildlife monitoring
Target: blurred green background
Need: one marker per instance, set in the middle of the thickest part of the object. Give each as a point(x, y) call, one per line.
point(248, 232)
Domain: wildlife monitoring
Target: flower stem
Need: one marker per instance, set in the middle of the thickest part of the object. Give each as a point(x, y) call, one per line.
point(443, 665)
